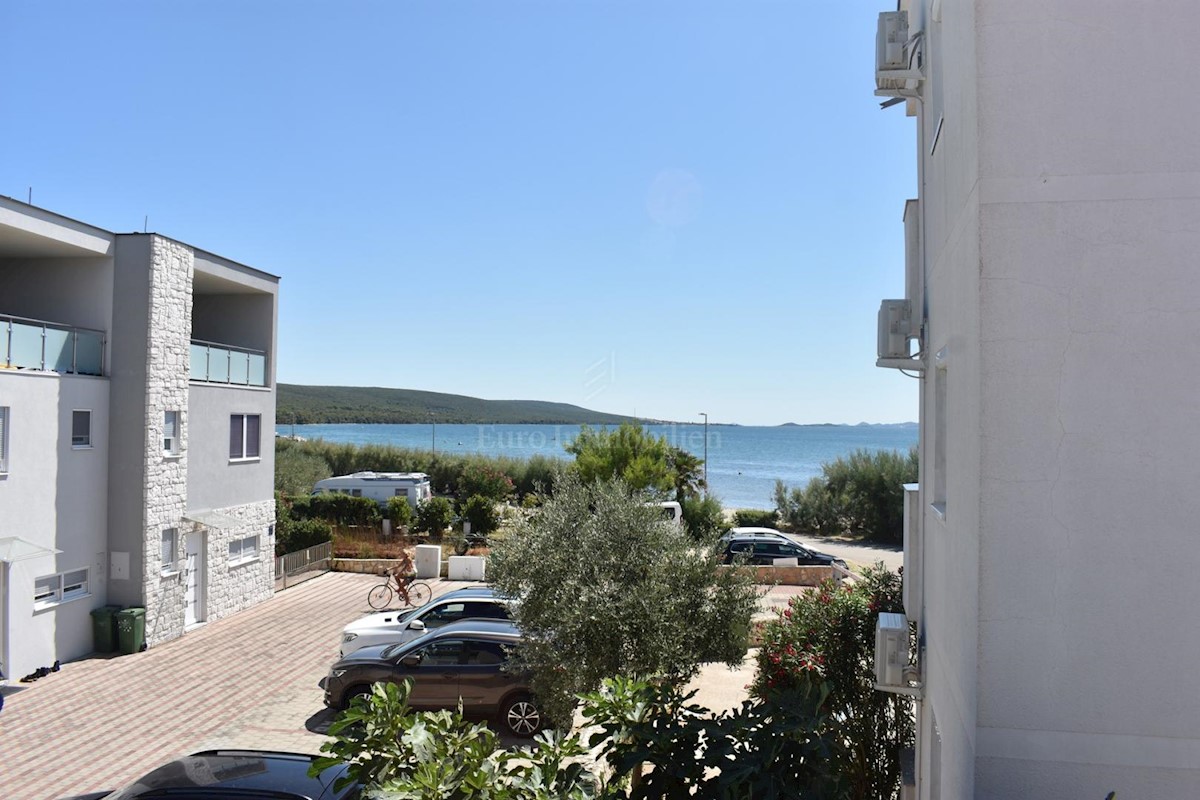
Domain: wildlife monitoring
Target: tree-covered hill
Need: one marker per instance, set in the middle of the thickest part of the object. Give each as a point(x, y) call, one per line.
point(306, 405)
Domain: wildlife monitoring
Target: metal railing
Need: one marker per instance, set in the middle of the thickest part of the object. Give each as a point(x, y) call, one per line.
point(49, 347)
point(222, 363)
point(301, 565)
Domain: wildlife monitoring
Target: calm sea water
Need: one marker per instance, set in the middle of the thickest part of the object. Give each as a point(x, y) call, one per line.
point(743, 462)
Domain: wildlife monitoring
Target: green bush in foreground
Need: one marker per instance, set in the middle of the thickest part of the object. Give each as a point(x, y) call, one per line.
point(400, 754)
point(399, 512)
point(433, 516)
point(826, 639)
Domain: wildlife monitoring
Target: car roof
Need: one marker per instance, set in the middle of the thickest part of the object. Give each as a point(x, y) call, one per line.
point(471, 591)
point(755, 532)
point(238, 773)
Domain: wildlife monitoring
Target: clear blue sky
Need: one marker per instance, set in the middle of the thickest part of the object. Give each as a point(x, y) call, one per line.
point(658, 208)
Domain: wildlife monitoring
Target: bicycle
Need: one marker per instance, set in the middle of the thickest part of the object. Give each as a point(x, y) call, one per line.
point(408, 589)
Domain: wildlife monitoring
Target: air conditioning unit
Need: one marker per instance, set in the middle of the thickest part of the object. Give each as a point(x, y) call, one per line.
point(897, 57)
point(892, 671)
point(897, 327)
point(891, 649)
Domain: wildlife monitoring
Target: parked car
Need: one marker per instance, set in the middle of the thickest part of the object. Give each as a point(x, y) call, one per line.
point(765, 533)
point(243, 774)
point(463, 662)
point(397, 627)
point(763, 550)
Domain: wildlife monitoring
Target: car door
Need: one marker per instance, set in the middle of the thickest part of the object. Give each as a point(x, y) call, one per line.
point(482, 680)
point(801, 555)
point(435, 675)
point(765, 553)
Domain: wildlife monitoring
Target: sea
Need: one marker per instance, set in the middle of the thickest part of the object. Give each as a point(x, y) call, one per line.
point(743, 461)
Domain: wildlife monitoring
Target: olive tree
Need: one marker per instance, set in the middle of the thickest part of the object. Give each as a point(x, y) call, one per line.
point(606, 587)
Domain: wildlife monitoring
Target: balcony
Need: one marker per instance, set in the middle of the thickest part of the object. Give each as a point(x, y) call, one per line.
point(49, 347)
point(222, 363)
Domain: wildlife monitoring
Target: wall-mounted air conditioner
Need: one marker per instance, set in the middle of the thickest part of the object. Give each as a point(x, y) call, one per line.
point(897, 327)
point(892, 670)
point(897, 57)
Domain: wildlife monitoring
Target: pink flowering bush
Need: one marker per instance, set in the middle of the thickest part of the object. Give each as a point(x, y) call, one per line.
point(826, 638)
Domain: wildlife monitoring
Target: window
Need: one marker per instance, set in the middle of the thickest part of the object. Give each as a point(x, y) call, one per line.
point(3, 439)
point(169, 538)
point(50, 590)
point(243, 436)
point(81, 429)
point(356, 492)
point(242, 551)
point(171, 433)
point(448, 652)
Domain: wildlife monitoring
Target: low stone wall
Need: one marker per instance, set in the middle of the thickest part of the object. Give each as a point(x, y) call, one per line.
point(789, 576)
point(369, 566)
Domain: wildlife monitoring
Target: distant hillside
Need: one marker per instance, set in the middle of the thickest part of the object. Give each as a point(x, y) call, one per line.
point(308, 405)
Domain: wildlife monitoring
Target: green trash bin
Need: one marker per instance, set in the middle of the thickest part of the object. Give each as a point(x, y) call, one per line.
point(131, 630)
point(104, 629)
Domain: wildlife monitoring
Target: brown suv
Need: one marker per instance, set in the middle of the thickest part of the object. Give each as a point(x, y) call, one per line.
point(464, 661)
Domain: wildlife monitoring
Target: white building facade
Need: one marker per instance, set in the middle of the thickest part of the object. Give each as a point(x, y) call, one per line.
point(136, 461)
point(1054, 272)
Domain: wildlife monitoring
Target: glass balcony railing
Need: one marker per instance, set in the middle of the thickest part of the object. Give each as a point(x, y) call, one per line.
point(48, 347)
point(221, 363)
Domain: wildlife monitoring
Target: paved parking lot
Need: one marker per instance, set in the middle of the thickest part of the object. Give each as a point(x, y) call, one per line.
point(247, 681)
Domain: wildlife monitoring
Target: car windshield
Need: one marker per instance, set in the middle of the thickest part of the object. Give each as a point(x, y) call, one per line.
point(391, 652)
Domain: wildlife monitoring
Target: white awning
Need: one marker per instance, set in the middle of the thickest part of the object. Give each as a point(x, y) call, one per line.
point(213, 519)
point(14, 548)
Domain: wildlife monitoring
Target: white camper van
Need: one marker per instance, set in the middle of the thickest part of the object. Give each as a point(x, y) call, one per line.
point(380, 486)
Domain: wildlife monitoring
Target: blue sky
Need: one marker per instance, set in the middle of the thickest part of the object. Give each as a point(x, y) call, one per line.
point(651, 208)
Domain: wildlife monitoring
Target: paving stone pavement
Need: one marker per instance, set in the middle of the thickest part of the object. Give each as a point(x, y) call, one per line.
point(246, 681)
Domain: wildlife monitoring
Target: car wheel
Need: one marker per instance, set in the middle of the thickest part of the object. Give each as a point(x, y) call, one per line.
point(357, 691)
point(520, 716)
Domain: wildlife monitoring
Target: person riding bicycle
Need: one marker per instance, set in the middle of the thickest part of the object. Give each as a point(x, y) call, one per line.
point(404, 569)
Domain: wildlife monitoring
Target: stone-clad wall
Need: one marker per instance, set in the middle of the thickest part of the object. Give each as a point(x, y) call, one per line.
point(232, 588)
point(167, 370)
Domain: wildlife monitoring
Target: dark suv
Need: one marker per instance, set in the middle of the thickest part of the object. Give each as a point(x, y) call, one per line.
point(461, 662)
point(763, 550)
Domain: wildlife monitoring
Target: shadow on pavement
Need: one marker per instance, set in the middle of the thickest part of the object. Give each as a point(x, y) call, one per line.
point(320, 721)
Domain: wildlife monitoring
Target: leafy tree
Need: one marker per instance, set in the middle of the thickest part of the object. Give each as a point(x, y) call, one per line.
point(481, 513)
point(629, 453)
point(293, 533)
point(296, 471)
point(433, 516)
point(608, 587)
point(399, 512)
point(827, 638)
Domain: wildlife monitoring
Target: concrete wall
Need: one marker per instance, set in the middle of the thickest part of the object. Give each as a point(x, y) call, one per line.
point(213, 480)
point(242, 320)
point(1089, 299)
point(1059, 231)
point(128, 366)
point(74, 291)
point(56, 497)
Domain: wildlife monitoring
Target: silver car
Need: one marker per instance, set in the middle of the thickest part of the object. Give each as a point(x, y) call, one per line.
point(397, 627)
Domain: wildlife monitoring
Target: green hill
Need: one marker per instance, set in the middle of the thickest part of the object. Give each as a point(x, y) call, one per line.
point(307, 405)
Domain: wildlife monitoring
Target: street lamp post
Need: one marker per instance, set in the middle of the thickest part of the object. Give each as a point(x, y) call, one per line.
point(705, 451)
point(433, 433)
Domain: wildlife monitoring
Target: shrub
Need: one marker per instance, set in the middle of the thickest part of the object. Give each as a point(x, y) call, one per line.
point(479, 480)
point(827, 638)
point(438, 755)
point(433, 516)
point(339, 509)
point(293, 533)
point(766, 748)
point(755, 518)
point(862, 494)
point(481, 513)
point(399, 512)
point(703, 516)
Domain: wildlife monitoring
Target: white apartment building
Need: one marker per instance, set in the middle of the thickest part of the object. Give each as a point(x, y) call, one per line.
point(1054, 276)
point(136, 457)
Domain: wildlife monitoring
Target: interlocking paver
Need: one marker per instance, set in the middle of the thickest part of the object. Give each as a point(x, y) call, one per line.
point(249, 680)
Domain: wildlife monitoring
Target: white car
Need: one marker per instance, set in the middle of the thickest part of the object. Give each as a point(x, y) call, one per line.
point(397, 627)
